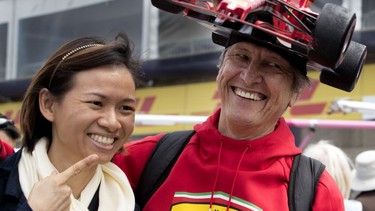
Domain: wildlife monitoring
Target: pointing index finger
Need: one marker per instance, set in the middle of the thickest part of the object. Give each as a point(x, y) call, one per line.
point(78, 167)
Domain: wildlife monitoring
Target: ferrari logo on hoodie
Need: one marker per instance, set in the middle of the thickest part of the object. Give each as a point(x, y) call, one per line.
point(184, 201)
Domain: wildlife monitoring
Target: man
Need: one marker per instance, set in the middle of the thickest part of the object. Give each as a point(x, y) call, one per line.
point(241, 157)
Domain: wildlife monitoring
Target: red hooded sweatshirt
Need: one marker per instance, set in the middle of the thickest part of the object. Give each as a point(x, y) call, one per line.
point(6, 149)
point(218, 172)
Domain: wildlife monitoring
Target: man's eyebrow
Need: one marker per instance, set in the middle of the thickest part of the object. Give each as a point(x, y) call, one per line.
point(277, 56)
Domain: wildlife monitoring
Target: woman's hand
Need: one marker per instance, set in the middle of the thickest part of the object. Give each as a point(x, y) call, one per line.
point(53, 193)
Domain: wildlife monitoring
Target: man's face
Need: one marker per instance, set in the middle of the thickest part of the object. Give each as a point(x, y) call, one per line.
point(255, 84)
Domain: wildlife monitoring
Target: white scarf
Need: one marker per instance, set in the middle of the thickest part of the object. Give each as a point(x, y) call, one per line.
point(115, 191)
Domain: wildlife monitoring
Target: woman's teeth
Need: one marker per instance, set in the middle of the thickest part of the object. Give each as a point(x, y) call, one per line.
point(102, 139)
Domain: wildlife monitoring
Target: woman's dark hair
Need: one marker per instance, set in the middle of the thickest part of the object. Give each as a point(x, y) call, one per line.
point(58, 73)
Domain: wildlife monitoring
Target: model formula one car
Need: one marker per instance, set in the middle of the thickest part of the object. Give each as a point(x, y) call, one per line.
point(323, 39)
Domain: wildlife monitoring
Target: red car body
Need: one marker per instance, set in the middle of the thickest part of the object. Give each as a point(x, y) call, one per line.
point(292, 20)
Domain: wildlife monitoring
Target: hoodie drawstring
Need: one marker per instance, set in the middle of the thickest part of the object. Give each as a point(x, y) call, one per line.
point(235, 176)
point(217, 175)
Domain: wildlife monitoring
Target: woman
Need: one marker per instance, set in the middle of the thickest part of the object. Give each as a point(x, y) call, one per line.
point(80, 104)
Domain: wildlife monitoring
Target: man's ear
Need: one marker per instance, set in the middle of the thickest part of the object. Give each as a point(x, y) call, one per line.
point(293, 99)
point(46, 104)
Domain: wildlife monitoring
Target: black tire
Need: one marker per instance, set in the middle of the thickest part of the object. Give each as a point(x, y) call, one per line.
point(219, 39)
point(332, 34)
point(200, 16)
point(345, 77)
point(167, 6)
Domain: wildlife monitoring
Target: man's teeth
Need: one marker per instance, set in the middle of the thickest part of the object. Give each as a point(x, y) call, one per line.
point(101, 139)
point(252, 96)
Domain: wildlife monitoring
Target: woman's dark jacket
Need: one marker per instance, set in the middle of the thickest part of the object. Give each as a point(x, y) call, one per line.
point(11, 195)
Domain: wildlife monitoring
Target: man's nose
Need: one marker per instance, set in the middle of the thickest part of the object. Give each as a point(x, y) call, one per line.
point(251, 74)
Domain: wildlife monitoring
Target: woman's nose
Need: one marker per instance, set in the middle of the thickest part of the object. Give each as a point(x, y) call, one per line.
point(110, 121)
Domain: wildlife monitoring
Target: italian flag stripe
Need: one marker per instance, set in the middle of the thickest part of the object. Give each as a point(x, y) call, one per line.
point(220, 197)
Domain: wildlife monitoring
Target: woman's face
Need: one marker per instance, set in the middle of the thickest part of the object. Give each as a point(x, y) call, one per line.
point(95, 117)
point(255, 86)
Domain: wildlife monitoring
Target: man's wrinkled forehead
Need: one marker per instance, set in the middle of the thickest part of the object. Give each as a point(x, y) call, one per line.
point(252, 47)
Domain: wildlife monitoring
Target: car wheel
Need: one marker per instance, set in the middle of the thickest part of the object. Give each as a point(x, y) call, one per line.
point(346, 75)
point(331, 35)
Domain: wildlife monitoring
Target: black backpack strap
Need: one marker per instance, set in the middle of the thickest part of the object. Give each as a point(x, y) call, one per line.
point(160, 163)
point(304, 178)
